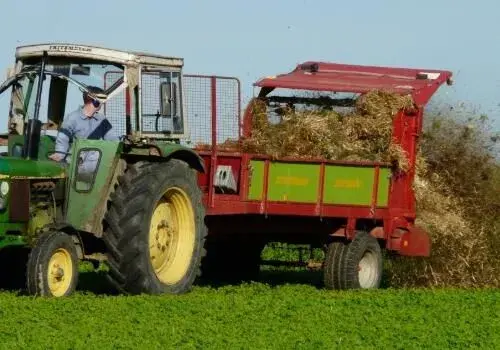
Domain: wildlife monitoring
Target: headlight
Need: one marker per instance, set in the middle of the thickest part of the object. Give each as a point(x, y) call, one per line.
point(4, 188)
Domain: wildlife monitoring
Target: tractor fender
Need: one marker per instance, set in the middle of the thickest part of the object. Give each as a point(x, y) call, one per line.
point(76, 235)
point(190, 157)
point(165, 152)
point(183, 153)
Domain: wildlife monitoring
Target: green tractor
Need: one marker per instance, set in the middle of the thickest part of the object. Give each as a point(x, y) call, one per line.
point(140, 209)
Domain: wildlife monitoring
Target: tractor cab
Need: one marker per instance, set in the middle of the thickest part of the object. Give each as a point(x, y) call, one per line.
point(38, 107)
point(69, 70)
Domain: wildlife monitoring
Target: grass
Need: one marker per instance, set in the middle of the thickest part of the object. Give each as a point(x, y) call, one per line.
point(288, 308)
point(282, 312)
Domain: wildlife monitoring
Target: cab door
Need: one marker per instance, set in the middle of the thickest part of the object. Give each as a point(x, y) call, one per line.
point(88, 184)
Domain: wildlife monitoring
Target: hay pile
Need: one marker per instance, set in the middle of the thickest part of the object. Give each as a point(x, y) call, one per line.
point(363, 134)
point(457, 191)
point(460, 255)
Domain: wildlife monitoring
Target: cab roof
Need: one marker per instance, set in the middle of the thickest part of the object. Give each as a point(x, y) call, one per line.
point(325, 76)
point(96, 52)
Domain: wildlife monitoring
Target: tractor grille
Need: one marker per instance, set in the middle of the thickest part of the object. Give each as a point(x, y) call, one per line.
point(19, 201)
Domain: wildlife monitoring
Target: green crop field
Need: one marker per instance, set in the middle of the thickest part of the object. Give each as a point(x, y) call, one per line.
point(280, 312)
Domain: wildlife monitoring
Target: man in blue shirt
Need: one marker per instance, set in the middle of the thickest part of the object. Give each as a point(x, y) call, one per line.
point(85, 123)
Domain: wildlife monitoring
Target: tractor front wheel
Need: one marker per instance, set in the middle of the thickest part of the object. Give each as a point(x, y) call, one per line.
point(53, 266)
point(156, 229)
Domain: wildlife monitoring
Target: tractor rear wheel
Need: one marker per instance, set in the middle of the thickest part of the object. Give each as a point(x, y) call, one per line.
point(53, 265)
point(354, 265)
point(156, 229)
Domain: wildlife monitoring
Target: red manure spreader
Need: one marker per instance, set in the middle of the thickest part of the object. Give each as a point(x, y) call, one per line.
point(352, 209)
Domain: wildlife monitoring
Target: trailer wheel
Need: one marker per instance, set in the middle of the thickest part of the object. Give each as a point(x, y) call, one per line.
point(333, 267)
point(354, 265)
point(52, 268)
point(156, 229)
point(362, 267)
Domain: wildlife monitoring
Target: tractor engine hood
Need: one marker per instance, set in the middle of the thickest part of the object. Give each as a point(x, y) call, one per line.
point(18, 168)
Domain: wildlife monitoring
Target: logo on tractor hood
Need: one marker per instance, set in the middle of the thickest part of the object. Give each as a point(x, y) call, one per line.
point(66, 48)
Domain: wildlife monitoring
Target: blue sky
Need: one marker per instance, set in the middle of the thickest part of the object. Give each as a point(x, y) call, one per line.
point(251, 39)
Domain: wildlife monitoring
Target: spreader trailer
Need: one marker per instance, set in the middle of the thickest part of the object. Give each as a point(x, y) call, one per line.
point(352, 209)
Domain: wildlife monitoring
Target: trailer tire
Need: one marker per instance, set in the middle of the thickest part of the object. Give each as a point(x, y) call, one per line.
point(362, 263)
point(52, 268)
point(156, 229)
point(333, 268)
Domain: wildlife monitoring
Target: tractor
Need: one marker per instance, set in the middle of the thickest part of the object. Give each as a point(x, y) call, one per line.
point(140, 209)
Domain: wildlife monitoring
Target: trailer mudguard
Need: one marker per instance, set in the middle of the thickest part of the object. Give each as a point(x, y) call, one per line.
point(415, 242)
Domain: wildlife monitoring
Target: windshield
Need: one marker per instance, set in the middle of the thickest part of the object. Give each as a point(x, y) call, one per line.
point(62, 89)
point(80, 74)
point(90, 74)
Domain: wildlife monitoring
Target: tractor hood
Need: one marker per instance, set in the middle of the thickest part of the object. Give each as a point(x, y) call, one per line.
point(22, 168)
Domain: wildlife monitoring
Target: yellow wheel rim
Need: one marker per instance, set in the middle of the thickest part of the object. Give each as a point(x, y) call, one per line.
point(172, 236)
point(60, 272)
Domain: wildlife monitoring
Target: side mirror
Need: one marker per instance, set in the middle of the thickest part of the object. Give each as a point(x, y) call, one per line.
point(80, 70)
point(168, 99)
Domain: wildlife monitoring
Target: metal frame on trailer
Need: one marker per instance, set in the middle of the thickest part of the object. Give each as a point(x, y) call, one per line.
point(213, 153)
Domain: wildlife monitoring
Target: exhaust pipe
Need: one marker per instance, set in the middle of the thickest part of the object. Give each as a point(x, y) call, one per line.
point(32, 137)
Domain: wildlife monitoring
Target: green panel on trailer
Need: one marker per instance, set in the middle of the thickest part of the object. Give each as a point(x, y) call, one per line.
point(348, 185)
point(256, 186)
point(293, 182)
point(383, 187)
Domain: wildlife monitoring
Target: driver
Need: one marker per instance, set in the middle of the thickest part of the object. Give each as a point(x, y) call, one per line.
point(86, 123)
